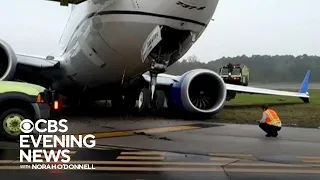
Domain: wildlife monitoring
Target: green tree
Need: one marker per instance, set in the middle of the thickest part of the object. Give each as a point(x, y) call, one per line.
point(263, 68)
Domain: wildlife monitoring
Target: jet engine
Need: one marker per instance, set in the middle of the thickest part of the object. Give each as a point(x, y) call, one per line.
point(8, 61)
point(199, 91)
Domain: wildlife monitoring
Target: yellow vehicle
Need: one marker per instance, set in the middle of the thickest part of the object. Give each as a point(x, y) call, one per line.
point(235, 74)
point(19, 101)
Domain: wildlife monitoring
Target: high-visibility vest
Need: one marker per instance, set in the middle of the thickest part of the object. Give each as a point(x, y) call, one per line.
point(273, 118)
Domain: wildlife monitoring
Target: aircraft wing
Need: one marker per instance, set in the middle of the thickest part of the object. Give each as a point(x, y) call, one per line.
point(36, 61)
point(165, 79)
point(36, 69)
point(28, 68)
point(254, 90)
point(303, 92)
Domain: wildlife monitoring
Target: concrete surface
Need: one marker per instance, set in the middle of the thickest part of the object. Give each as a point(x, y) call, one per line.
point(181, 150)
point(218, 138)
point(133, 164)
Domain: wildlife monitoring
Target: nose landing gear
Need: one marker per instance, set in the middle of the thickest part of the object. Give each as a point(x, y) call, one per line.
point(150, 97)
point(163, 44)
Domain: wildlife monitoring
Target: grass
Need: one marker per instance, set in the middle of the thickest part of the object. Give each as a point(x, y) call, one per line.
point(245, 109)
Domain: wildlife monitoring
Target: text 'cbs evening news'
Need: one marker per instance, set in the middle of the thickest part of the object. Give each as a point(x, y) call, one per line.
point(55, 153)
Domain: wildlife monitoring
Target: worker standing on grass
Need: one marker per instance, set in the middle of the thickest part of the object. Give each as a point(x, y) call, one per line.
point(270, 122)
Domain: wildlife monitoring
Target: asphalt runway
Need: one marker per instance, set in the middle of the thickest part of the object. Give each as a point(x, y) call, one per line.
point(152, 148)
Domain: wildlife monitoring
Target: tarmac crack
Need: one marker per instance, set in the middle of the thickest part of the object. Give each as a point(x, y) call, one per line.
point(108, 127)
point(235, 161)
point(142, 133)
point(152, 136)
point(224, 170)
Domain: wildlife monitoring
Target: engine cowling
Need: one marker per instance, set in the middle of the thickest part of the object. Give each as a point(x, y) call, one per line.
point(8, 61)
point(199, 91)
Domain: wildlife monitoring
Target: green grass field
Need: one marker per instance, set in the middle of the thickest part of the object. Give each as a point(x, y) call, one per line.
point(245, 109)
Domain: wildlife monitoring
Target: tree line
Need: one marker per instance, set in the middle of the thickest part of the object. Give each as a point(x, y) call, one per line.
point(263, 68)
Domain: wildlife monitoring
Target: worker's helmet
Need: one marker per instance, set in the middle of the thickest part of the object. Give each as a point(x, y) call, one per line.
point(264, 107)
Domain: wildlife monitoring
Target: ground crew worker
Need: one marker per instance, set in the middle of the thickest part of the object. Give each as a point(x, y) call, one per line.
point(230, 67)
point(270, 122)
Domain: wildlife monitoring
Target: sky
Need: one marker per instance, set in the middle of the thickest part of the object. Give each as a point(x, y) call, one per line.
point(240, 27)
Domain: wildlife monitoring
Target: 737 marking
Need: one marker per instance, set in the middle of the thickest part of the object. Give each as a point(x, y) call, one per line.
point(184, 5)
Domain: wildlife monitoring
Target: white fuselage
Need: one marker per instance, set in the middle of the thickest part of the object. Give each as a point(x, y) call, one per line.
point(103, 38)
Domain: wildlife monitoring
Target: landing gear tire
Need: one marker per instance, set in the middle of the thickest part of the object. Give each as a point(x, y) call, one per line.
point(159, 101)
point(144, 100)
point(10, 121)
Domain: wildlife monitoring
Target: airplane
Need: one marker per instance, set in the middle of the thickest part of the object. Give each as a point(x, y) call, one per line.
point(109, 46)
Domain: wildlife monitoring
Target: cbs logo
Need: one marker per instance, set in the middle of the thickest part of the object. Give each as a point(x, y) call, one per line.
point(27, 126)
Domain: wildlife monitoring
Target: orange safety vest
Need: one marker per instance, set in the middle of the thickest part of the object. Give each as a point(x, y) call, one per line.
point(273, 118)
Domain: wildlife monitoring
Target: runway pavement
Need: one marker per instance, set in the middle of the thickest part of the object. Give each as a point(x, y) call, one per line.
point(119, 163)
point(177, 149)
point(199, 137)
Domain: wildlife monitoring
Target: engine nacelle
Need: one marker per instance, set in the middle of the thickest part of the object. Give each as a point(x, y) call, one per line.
point(199, 91)
point(8, 62)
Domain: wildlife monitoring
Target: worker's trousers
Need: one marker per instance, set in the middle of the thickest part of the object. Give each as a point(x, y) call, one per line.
point(269, 129)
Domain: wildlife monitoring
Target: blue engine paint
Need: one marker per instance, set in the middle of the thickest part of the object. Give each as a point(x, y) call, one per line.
point(175, 93)
point(178, 92)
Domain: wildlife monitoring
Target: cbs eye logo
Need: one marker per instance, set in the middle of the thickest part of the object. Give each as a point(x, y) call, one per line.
point(26, 126)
